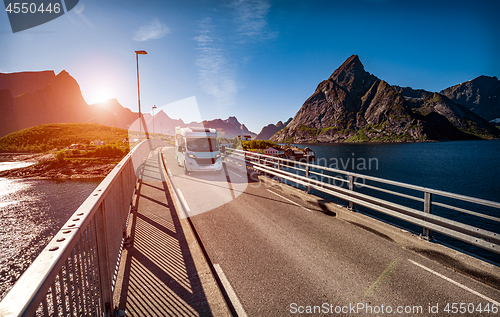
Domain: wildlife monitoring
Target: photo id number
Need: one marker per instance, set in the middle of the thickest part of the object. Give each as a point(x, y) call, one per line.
point(33, 8)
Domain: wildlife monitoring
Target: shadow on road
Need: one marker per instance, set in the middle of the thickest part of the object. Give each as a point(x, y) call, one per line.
point(157, 275)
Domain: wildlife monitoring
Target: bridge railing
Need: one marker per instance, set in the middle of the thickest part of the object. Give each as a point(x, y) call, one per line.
point(74, 274)
point(348, 187)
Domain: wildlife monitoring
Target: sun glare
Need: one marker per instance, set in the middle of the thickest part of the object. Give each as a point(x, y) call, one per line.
point(102, 94)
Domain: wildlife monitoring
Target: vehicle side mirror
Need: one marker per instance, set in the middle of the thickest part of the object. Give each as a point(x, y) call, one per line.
point(181, 149)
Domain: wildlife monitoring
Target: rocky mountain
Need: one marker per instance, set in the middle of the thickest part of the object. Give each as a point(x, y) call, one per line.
point(57, 102)
point(480, 95)
point(425, 102)
point(124, 116)
point(229, 128)
point(29, 99)
point(269, 130)
point(23, 82)
point(160, 123)
point(353, 105)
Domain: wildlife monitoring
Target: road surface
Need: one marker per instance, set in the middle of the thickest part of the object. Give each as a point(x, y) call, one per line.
point(280, 256)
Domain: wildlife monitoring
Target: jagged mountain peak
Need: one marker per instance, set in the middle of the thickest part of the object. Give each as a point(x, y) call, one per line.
point(350, 69)
point(233, 120)
point(354, 105)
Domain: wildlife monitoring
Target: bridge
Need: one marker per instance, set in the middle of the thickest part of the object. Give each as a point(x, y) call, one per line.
point(151, 240)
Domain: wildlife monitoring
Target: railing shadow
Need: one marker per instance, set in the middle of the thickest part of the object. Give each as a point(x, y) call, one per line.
point(159, 276)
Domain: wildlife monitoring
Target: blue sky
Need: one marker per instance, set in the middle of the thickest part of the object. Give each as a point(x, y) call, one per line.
point(258, 60)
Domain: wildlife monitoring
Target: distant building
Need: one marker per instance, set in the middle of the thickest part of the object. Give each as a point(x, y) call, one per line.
point(274, 151)
point(97, 142)
point(309, 152)
point(292, 154)
point(223, 142)
point(75, 146)
point(245, 137)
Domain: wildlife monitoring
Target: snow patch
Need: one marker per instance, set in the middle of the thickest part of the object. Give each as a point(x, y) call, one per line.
point(497, 120)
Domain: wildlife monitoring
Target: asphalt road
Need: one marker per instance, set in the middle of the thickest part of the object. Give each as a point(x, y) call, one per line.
point(282, 256)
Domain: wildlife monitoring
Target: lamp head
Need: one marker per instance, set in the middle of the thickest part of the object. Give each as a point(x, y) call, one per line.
point(141, 52)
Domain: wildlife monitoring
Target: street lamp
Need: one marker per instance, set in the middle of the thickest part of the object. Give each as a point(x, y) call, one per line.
point(137, 53)
point(154, 107)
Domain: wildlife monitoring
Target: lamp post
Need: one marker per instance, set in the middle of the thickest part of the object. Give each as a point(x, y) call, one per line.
point(137, 53)
point(154, 107)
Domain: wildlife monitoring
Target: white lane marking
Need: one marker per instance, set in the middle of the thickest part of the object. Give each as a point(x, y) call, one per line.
point(169, 172)
point(289, 200)
point(184, 202)
point(456, 283)
point(234, 173)
point(230, 292)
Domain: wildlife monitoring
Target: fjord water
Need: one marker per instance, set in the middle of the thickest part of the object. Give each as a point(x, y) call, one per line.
point(31, 212)
point(469, 168)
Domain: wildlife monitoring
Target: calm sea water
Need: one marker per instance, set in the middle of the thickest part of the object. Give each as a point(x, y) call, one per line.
point(31, 212)
point(469, 168)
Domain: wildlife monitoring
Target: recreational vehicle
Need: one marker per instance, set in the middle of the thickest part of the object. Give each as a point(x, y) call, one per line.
point(197, 149)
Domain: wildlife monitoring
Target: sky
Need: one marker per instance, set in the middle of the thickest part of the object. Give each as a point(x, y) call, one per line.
point(258, 60)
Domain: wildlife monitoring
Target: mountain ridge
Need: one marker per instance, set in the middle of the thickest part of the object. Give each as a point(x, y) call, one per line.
point(29, 99)
point(353, 105)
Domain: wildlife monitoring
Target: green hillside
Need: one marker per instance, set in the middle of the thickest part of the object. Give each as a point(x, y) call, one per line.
point(46, 137)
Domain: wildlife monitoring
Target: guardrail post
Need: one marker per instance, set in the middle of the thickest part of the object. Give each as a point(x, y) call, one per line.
point(103, 259)
point(308, 189)
point(279, 168)
point(351, 188)
point(427, 209)
point(258, 161)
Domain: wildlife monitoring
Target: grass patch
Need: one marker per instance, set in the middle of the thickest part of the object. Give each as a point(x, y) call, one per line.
point(257, 145)
point(360, 136)
point(471, 127)
point(315, 131)
point(45, 137)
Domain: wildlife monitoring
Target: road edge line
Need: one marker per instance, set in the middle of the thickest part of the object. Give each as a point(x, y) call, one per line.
point(470, 290)
point(240, 311)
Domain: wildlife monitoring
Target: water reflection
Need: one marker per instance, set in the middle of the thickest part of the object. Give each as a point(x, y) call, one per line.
point(31, 212)
point(4, 166)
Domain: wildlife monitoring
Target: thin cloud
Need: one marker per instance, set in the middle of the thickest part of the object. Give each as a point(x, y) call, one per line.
point(77, 17)
point(153, 31)
point(251, 18)
point(216, 76)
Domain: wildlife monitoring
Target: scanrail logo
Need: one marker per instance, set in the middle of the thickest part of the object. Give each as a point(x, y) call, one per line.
point(26, 15)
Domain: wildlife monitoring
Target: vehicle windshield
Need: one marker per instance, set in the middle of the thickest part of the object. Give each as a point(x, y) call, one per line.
point(202, 145)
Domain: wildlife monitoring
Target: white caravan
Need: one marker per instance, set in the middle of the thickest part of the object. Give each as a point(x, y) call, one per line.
point(197, 149)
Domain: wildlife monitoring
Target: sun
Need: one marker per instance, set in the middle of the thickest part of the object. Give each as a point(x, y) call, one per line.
point(101, 94)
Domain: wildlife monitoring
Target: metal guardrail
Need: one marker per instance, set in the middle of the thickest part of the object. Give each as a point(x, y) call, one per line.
point(313, 175)
point(74, 274)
